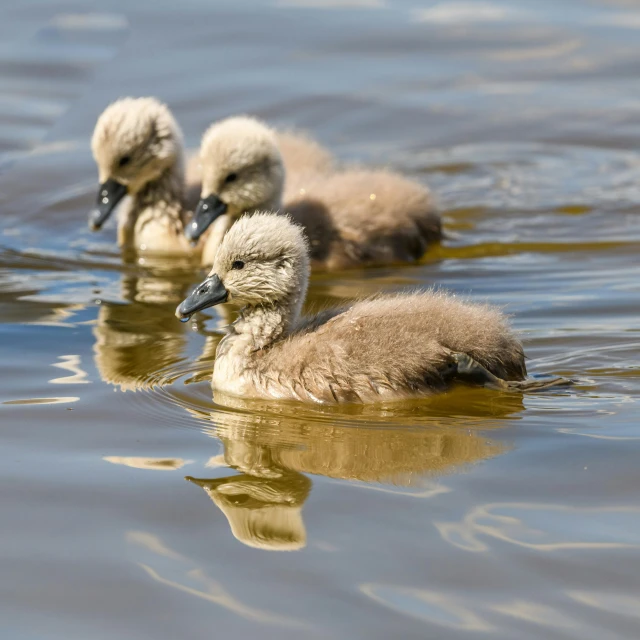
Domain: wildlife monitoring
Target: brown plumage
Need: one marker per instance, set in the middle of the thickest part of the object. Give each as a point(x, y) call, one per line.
point(301, 156)
point(360, 217)
point(395, 347)
point(384, 348)
point(352, 217)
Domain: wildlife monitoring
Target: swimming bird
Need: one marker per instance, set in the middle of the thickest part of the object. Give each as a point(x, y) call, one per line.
point(138, 147)
point(352, 217)
point(381, 349)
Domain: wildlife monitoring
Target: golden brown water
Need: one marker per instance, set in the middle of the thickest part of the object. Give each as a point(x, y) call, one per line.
point(472, 514)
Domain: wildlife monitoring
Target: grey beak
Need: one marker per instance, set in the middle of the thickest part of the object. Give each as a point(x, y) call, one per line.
point(208, 294)
point(206, 212)
point(109, 195)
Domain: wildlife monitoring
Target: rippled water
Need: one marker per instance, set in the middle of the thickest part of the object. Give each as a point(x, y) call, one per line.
point(472, 514)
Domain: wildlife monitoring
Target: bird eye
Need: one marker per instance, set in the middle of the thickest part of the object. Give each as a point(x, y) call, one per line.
point(231, 178)
point(238, 264)
point(125, 160)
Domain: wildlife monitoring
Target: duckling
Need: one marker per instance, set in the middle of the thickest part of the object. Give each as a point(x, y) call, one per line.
point(138, 147)
point(381, 349)
point(352, 218)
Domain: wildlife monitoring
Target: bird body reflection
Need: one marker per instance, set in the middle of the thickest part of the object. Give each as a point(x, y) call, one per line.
point(263, 512)
point(273, 450)
point(137, 341)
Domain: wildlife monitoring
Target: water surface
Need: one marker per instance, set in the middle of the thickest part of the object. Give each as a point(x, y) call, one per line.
point(473, 514)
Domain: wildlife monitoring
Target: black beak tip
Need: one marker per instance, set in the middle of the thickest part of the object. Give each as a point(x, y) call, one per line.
point(95, 223)
point(191, 233)
point(181, 312)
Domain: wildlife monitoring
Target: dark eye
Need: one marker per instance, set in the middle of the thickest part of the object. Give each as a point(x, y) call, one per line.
point(124, 161)
point(238, 264)
point(231, 178)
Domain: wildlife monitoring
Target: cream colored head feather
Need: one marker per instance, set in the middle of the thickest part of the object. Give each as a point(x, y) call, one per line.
point(241, 165)
point(263, 259)
point(135, 140)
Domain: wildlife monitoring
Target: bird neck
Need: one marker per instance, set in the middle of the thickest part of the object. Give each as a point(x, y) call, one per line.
point(265, 324)
point(165, 194)
point(272, 204)
point(259, 326)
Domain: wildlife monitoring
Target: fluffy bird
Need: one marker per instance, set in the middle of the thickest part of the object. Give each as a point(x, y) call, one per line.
point(351, 217)
point(381, 349)
point(138, 147)
point(139, 150)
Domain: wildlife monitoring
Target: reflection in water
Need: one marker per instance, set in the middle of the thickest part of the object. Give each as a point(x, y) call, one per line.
point(620, 604)
point(449, 13)
point(534, 612)
point(153, 544)
point(192, 580)
point(136, 342)
point(331, 4)
point(543, 527)
point(156, 464)
point(263, 512)
point(430, 606)
point(470, 613)
point(59, 316)
point(72, 364)
point(62, 400)
point(21, 299)
point(523, 118)
point(595, 436)
point(273, 450)
point(213, 591)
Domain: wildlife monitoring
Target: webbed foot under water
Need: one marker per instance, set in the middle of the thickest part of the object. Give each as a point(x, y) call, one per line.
point(469, 370)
